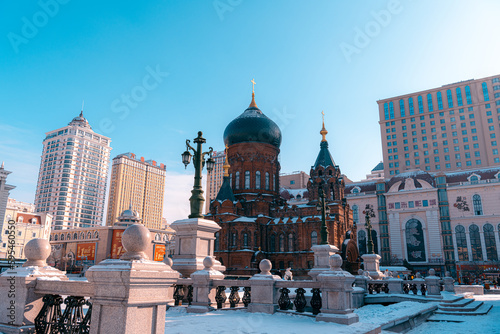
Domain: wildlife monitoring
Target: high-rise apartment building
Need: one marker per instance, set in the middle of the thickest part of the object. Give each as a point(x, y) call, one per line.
point(215, 178)
point(4, 193)
point(137, 183)
point(73, 175)
point(455, 126)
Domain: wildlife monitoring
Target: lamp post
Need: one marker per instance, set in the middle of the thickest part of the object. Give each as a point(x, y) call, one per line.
point(369, 213)
point(197, 200)
point(325, 210)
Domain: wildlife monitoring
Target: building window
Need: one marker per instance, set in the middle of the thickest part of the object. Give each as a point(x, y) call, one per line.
point(429, 102)
point(450, 98)
point(485, 92)
point(478, 207)
point(461, 243)
point(257, 180)
point(475, 243)
point(362, 242)
point(216, 241)
point(245, 239)
point(386, 111)
point(273, 243)
point(391, 110)
point(490, 243)
point(410, 105)
point(415, 244)
point(282, 243)
point(267, 181)
point(402, 107)
point(467, 95)
point(355, 214)
point(314, 238)
point(290, 243)
point(231, 180)
point(420, 105)
point(247, 179)
point(459, 97)
point(237, 181)
point(440, 101)
point(233, 241)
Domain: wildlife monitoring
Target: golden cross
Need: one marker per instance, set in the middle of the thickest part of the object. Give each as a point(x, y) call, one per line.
point(323, 115)
point(253, 85)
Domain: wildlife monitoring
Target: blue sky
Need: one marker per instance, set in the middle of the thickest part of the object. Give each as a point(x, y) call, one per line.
point(336, 56)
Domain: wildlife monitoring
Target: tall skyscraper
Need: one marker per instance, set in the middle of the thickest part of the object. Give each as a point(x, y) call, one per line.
point(4, 193)
point(139, 184)
point(452, 127)
point(215, 178)
point(73, 175)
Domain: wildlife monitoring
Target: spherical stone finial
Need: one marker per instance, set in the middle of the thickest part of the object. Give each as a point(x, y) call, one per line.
point(335, 262)
point(135, 240)
point(208, 262)
point(447, 274)
point(168, 261)
point(265, 267)
point(360, 272)
point(432, 272)
point(37, 251)
point(418, 275)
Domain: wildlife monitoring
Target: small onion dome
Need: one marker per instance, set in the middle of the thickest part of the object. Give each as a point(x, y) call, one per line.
point(80, 121)
point(252, 126)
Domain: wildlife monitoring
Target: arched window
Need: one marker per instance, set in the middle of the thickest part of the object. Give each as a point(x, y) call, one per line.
point(96, 234)
point(216, 241)
point(355, 214)
point(478, 206)
point(20, 219)
point(75, 236)
point(233, 241)
point(490, 243)
point(459, 97)
point(362, 242)
point(386, 111)
point(410, 106)
point(290, 243)
point(402, 107)
point(391, 110)
point(231, 180)
point(474, 179)
point(429, 102)
point(9, 217)
point(157, 237)
point(82, 235)
point(34, 221)
point(420, 105)
point(272, 243)
point(467, 95)
point(245, 239)
point(56, 237)
point(247, 179)
point(449, 98)
point(475, 243)
point(440, 100)
point(257, 180)
point(267, 181)
point(237, 181)
point(314, 238)
point(68, 236)
point(89, 235)
point(460, 237)
point(282, 243)
point(62, 237)
point(485, 92)
point(415, 245)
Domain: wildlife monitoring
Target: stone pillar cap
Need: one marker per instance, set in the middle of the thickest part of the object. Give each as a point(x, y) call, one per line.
point(37, 251)
point(135, 240)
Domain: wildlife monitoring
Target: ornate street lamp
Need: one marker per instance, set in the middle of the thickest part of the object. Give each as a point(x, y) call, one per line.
point(325, 210)
point(369, 213)
point(197, 200)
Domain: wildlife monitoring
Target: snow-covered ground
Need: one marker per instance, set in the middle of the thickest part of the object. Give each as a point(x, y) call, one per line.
point(483, 324)
point(370, 316)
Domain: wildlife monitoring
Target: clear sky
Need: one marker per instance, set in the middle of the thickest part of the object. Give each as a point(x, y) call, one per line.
point(306, 56)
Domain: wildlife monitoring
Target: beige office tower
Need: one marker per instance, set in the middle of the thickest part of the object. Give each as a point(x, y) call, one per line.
point(139, 184)
point(73, 175)
point(455, 126)
point(215, 178)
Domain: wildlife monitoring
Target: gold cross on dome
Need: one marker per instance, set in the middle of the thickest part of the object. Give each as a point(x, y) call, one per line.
point(253, 85)
point(323, 115)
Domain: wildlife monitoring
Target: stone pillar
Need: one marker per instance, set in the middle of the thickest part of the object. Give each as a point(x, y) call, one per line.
point(433, 287)
point(130, 294)
point(361, 281)
point(194, 241)
point(448, 282)
point(395, 285)
point(264, 293)
point(322, 255)
point(418, 280)
point(203, 290)
point(336, 294)
point(19, 304)
point(371, 264)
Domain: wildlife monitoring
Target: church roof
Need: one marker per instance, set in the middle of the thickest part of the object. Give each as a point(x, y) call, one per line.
point(225, 191)
point(324, 157)
point(380, 166)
